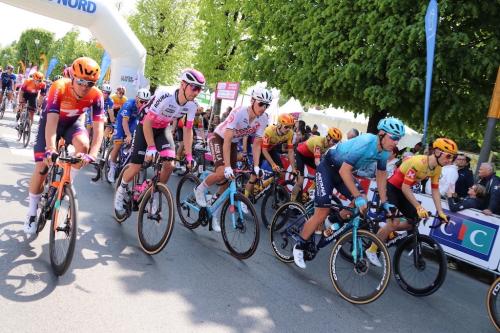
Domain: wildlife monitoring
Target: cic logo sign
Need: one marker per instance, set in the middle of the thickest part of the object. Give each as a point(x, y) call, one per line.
point(468, 235)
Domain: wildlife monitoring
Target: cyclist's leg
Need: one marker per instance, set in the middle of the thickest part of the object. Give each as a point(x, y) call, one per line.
point(164, 142)
point(299, 162)
point(31, 100)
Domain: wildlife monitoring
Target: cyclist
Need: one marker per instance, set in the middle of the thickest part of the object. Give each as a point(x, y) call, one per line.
point(274, 137)
point(399, 189)
point(7, 83)
point(108, 107)
point(67, 101)
point(151, 137)
point(223, 142)
point(118, 99)
point(309, 153)
point(335, 171)
point(29, 93)
point(125, 125)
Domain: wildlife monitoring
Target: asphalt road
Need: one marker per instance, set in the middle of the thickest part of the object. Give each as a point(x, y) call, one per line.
point(194, 285)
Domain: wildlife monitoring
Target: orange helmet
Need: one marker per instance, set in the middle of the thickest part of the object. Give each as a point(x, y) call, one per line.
point(86, 68)
point(38, 76)
point(446, 145)
point(335, 133)
point(286, 119)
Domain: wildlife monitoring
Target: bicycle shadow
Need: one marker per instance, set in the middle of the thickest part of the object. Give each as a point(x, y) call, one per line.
point(16, 193)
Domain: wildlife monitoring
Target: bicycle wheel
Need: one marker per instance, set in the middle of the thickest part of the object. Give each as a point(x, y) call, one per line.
point(107, 152)
point(285, 223)
point(2, 111)
point(20, 127)
point(63, 231)
point(187, 208)
point(120, 217)
point(492, 303)
point(421, 272)
point(241, 180)
point(155, 221)
point(358, 281)
point(26, 133)
point(271, 202)
point(240, 227)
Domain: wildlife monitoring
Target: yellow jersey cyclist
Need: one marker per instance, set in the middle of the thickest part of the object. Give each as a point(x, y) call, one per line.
point(125, 125)
point(67, 101)
point(309, 153)
point(152, 135)
point(118, 99)
point(400, 194)
point(336, 171)
point(274, 137)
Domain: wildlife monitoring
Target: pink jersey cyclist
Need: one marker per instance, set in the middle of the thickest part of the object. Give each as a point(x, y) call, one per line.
point(238, 120)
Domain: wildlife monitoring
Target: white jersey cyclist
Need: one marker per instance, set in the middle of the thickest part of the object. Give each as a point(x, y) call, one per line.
point(164, 107)
point(238, 120)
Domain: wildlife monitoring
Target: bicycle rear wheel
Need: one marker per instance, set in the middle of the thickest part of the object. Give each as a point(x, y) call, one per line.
point(421, 270)
point(493, 303)
point(185, 201)
point(26, 133)
point(155, 221)
point(271, 202)
point(63, 231)
point(240, 227)
point(358, 281)
point(286, 222)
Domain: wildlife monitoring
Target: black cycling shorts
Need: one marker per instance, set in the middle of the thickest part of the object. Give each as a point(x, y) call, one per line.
point(396, 197)
point(140, 145)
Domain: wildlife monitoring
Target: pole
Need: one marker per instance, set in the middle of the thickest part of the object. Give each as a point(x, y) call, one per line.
point(493, 115)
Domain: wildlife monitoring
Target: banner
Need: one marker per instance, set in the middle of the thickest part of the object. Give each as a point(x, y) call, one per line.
point(431, 18)
point(105, 62)
point(52, 64)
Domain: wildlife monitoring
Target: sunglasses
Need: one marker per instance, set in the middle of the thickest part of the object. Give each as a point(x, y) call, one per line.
point(195, 87)
point(85, 83)
point(262, 104)
point(39, 81)
point(395, 137)
point(287, 127)
point(449, 156)
point(142, 101)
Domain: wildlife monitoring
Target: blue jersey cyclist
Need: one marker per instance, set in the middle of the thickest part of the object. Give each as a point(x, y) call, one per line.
point(7, 83)
point(335, 171)
point(126, 122)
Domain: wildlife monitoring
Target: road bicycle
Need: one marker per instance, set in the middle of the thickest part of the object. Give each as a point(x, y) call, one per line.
point(154, 203)
point(239, 221)
point(24, 126)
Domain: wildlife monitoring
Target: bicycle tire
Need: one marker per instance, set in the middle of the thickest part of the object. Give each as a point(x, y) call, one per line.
point(120, 218)
point(241, 227)
point(278, 198)
point(2, 111)
point(362, 269)
point(141, 223)
point(283, 250)
point(491, 303)
point(107, 152)
point(20, 127)
point(181, 198)
point(437, 253)
point(27, 133)
point(61, 265)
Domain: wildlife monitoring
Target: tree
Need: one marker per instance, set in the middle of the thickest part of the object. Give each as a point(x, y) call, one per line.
point(8, 55)
point(27, 49)
point(166, 29)
point(369, 57)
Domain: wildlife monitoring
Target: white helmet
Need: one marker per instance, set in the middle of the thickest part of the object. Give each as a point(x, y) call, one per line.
point(262, 95)
point(106, 88)
point(143, 94)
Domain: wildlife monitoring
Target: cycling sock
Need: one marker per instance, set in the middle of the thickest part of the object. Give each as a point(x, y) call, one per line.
point(203, 186)
point(34, 200)
point(112, 164)
point(123, 185)
point(373, 248)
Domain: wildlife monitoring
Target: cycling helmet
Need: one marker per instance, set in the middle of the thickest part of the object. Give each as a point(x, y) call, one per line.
point(144, 94)
point(122, 89)
point(67, 72)
point(193, 76)
point(392, 126)
point(335, 133)
point(9, 67)
point(38, 76)
point(86, 68)
point(262, 95)
point(446, 145)
point(106, 88)
point(286, 119)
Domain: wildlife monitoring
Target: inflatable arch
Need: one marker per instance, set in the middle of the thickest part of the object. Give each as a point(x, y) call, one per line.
point(128, 56)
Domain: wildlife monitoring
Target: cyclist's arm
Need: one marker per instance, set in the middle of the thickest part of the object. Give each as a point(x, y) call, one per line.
point(346, 175)
point(111, 114)
point(256, 150)
point(265, 150)
point(188, 138)
point(408, 193)
point(382, 184)
point(20, 98)
point(126, 129)
point(50, 130)
point(226, 147)
point(436, 197)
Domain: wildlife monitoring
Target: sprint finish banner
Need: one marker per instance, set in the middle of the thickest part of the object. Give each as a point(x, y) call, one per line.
point(431, 18)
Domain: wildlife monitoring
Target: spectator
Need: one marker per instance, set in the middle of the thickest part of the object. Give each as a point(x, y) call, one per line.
point(315, 130)
point(473, 200)
point(308, 132)
point(417, 149)
point(391, 162)
point(352, 133)
point(300, 132)
point(447, 180)
point(491, 202)
point(465, 176)
point(225, 114)
point(206, 119)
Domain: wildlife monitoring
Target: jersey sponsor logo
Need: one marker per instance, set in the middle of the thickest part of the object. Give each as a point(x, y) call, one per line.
point(468, 235)
point(411, 174)
point(73, 112)
point(161, 99)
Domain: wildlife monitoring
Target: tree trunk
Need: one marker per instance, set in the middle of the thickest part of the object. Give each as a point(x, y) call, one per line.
point(374, 119)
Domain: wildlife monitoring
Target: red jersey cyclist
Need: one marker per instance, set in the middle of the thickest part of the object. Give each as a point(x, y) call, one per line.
point(62, 118)
point(29, 93)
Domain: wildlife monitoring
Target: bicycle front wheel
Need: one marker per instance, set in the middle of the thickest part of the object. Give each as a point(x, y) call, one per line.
point(26, 133)
point(420, 269)
point(357, 280)
point(155, 221)
point(492, 303)
point(240, 227)
point(62, 237)
point(271, 202)
point(185, 201)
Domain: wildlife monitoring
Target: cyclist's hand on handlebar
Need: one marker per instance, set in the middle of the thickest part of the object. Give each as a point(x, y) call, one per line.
point(257, 171)
point(228, 173)
point(50, 156)
point(422, 212)
point(276, 168)
point(150, 153)
point(361, 203)
point(388, 208)
point(86, 158)
point(443, 217)
point(128, 139)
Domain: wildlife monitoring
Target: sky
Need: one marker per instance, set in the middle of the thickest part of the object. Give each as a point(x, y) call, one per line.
point(15, 21)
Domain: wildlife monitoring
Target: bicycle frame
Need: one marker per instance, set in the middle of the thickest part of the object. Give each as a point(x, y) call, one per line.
point(59, 185)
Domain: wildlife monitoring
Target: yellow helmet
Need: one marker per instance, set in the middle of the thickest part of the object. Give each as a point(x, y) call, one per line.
point(335, 133)
point(446, 145)
point(286, 119)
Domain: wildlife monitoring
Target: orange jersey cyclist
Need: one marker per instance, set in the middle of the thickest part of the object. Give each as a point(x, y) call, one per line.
point(64, 118)
point(29, 93)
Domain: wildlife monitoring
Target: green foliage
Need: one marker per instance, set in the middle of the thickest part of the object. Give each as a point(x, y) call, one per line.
point(166, 29)
point(370, 57)
point(8, 55)
point(28, 51)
